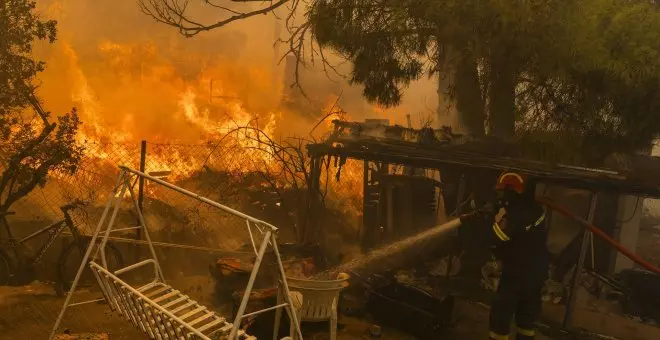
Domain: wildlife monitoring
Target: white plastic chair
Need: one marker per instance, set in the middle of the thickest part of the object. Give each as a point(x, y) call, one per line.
point(319, 302)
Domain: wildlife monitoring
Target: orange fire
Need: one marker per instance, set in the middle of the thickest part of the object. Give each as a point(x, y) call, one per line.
point(189, 104)
point(208, 122)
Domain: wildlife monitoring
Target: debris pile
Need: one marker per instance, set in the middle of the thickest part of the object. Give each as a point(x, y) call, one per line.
point(404, 303)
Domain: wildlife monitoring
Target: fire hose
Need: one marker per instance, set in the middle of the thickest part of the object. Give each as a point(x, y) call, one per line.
point(613, 243)
point(401, 245)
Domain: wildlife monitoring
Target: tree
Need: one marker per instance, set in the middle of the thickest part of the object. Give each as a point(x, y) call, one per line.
point(483, 45)
point(602, 87)
point(520, 69)
point(584, 68)
point(390, 43)
point(31, 144)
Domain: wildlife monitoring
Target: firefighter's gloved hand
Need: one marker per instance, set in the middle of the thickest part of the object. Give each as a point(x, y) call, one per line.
point(488, 209)
point(472, 217)
point(464, 229)
point(483, 214)
point(467, 218)
point(470, 224)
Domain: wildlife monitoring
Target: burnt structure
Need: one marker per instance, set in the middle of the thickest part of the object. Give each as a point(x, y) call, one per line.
point(437, 149)
point(398, 200)
point(469, 167)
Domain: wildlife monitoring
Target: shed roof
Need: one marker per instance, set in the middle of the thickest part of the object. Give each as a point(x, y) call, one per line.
point(626, 174)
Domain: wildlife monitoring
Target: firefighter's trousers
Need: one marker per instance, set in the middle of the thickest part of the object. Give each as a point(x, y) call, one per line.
point(515, 297)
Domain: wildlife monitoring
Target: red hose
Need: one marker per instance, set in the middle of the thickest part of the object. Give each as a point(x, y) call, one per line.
point(602, 235)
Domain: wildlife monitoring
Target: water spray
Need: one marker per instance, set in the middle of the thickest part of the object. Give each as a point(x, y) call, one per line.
point(397, 248)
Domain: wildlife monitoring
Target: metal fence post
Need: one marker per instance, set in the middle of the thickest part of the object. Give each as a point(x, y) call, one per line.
point(309, 230)
point(143, 160)
point(364, 231)
point(570, 306)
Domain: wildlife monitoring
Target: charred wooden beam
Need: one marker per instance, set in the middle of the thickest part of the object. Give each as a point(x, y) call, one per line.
point(351, 130)
point(423, 156)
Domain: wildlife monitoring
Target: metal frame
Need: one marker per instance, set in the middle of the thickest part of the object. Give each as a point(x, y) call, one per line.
point(587, 239)
point(53, 230)
point(125, 182)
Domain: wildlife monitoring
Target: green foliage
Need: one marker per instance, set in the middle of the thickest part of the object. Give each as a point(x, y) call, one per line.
point(30, 145)
point(584, 68)
point(389, 41)
point(20, 27)
point(603, 90)
point(384, 46)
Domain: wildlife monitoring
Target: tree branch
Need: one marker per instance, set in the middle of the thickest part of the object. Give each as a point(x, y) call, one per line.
point(38, 175)
point(16, 159)
point(171, 13)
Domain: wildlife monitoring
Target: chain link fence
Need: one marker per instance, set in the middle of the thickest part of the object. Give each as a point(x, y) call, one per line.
point(92, 180)
point(238, 170)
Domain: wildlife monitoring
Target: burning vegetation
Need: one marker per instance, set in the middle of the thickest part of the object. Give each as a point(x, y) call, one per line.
point(201, 110)
point(94, 86)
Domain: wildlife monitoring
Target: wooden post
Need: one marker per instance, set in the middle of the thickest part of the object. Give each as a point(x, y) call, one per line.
point(307, 232)
point(389, 221)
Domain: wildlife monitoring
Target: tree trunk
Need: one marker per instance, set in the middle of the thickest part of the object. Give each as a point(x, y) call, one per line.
point(447, 115)
point(464, 110)
point(469, 99)
point(501, 97)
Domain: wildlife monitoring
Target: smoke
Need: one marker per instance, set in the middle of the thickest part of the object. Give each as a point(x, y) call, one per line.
point(128, 75)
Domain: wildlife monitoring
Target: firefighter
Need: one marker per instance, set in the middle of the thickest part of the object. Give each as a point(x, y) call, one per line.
point(518, 236)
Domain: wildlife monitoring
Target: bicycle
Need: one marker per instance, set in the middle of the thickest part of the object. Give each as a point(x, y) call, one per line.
point(19, 268)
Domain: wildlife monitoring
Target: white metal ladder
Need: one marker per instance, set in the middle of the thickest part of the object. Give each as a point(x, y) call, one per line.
point(156, 308)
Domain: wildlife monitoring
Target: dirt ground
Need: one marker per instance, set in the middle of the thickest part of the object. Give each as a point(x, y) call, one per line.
point(28, 312)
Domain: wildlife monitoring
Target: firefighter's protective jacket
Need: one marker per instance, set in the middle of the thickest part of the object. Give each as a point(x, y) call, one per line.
point(519, 236)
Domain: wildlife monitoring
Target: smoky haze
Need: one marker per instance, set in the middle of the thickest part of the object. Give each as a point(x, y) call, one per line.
point(132, 78)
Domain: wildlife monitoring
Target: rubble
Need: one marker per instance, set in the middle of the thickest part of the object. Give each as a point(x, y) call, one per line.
point(409, 306)
point(232, 273)
point(643, 300)
point(490, 275)
point(553, 291)
point(448, 265)
point(375, 331)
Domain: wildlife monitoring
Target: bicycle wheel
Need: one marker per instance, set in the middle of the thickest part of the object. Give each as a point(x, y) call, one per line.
point(69, 262)
point(5, 269)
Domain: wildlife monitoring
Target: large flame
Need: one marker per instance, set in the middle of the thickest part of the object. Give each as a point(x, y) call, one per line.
point(115, 122)
point(162, 88)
